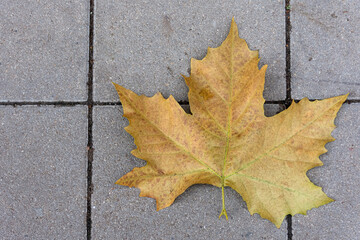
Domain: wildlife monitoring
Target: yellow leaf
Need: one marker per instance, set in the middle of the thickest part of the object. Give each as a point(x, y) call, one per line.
point(227, 141)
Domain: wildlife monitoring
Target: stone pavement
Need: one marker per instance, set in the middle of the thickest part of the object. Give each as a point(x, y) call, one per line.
point(62, 143)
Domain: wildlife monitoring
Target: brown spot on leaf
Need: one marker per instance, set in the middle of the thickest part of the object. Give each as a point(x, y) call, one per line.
point(206, 93)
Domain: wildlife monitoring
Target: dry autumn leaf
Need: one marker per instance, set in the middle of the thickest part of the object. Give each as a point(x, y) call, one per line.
point(227, 141)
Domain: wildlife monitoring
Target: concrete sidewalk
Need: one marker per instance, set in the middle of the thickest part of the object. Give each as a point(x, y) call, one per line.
point(62, 142)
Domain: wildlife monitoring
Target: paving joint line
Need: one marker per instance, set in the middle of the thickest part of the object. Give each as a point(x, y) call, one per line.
point(288, 99)
point(43, 103)
point(90, 103)
point(97, 103)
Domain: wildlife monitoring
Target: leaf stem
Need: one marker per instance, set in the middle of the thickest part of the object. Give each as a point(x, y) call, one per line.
point(223, 211)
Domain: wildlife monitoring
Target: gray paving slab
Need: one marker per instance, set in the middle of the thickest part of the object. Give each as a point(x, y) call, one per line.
point(340, 180)
point(325, 48)
point(119, 213)
point(146, 45)
point(43, 50)
point(43, 173)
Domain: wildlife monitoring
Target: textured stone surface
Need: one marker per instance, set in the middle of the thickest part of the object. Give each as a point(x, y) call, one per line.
point(43, 50)
point(43, 172)
point(325, 48)
point(119, 213)
point(146, 45)
point(340, 180)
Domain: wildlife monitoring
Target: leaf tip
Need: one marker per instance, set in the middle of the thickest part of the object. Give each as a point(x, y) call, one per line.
point(263, 68)
point(161, 204)
point(233, 23)
point(234, 27)
point(120, 89)
point(185, 77)
point(345, 96)
point(341, 98)
point(278, 225)
point(119, 182)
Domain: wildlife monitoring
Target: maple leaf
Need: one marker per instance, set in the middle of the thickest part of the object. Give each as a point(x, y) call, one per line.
point(227, 140)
